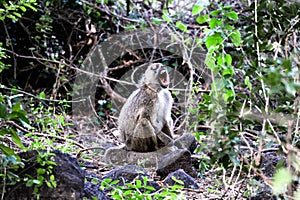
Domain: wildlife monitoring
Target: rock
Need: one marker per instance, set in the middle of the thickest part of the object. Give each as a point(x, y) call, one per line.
point(186, 141)
point(127, 174)
point(120, 156)
point(179, 159)
point(116, 156)
point(68, 176)
point(180, 174)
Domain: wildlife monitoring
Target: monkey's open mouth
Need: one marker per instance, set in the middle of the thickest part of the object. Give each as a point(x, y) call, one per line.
point(163, 78)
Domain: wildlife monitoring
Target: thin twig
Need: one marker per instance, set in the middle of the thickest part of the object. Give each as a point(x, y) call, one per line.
point(44, 135)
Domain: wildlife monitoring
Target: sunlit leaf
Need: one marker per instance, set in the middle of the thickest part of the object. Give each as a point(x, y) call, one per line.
point(281, 179)
point(197, 9)
point(42, 95)
point(232, 15)
point(181, 26)
point(248, 83)
point(236, 37)
point(6, 150)
point(228, 59)
point(213, 40)
point(210, 62)
point(213, 23)
point(202, 19)
point(15, 137)
point(157, 21)
point(215, 12)
point(30, 6)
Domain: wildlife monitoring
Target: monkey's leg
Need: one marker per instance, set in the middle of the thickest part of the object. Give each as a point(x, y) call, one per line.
point(167, 130)
point(143, 138)
point(163, 139)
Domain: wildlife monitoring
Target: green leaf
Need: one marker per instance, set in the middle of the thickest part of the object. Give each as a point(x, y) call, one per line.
point(215, 13)
point(37, 182)
point(12, 17)
point(41, 171)
point(3, 111)
point(177, 180)
point(236, 37)
point(126, 193)
point(202, 19)
point(15, 137)
point(167, 18)
point(52, 177)
point(157, 21)
point(29, 183)
point(23, 8)
point(138, 183)
point(281, 179)
point(213, 40)
point(210, 62)
point(30, 6)
point(232, 15)
point(287, 64)
point(197, 9)
point(290, 87)
point(213, 23)
point(6, 150)
point(228, 59)
point(17, 14)
point(228, 71)
point(18, 114)
point(248, 83)
point(42, 95)
point(181, 26)
point(229, 96)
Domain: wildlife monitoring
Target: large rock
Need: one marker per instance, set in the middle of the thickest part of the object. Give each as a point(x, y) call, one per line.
point(186, 141)
point(68, 176)
point(179, 159)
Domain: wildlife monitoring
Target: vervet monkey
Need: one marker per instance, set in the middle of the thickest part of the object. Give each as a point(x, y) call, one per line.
point(145, 121)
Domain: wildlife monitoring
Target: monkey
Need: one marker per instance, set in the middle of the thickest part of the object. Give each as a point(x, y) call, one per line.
point(145, 121)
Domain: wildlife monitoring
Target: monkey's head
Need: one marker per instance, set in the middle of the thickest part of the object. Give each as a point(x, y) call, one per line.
point(157, 74)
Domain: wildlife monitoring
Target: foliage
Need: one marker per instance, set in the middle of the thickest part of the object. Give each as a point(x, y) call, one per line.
point(12, 120)
point(252, 96)
point(44, 173)
point(12, 11)
point(139, 189)
point(220, 34)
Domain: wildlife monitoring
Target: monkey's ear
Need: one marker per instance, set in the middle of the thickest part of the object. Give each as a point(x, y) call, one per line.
point(164, 78)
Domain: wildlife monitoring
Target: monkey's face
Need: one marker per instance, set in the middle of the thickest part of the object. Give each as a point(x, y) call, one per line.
point(157, 73)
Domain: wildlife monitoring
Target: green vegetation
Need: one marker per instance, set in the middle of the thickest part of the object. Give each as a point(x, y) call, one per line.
point(249, 106)
point(139, 189)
